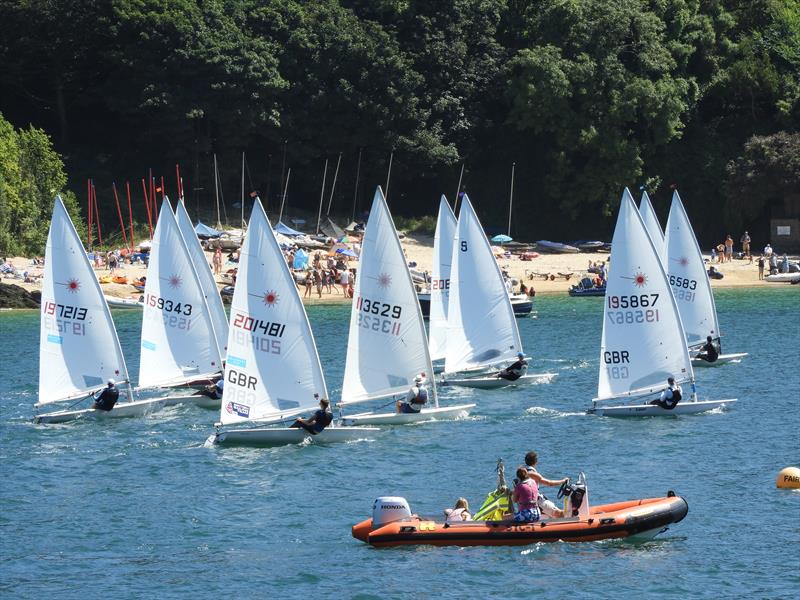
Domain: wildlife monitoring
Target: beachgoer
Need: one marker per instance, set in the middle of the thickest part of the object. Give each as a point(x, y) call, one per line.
point(106, 398)
point(319, 420)
point(761, 267)
point(318, 280)
point(603, 272)
point(459, 513)
point(344, 280)
point(515, 370)
point(713, 255)
point(767, 250)
point(669, 397)
point(309, 283)
point(546, 506)
point(415, 399)
point(709, 352)
point(213, 391)
point(728, 249)
point(217, 261)
point(785, 263)
point(720, 253)
point(525, 495)
point(745, 239)
point(773, 264)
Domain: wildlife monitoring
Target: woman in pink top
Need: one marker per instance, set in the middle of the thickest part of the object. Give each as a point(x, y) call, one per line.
point(525, 494)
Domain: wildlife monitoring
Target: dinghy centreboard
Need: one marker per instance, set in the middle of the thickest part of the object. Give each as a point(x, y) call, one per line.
point(273, 370)
point(387, 346)
point(178, 341)
point(691, 285)
point(79, 350)
point(643, 340)
point(482, 332)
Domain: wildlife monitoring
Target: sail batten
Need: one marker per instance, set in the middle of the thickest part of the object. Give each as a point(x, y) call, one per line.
point(643, 338)
point(78, 347)
point(481, 328)
point(387, 344)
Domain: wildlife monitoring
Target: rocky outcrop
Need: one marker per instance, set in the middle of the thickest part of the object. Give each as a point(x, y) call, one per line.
point(14, 296)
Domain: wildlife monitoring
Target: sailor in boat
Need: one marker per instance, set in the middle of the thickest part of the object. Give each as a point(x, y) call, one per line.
point(525, 494)
point(546, 506)
point(106, 398)
point(709, 352)
point(213, 391)
point(515, 370)
point(416, 398)
point(669, 397)
point(319, 420)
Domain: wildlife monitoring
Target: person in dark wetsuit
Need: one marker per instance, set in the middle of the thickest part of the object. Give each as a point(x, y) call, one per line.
point(318, 421)
point(669, 397)
point(516, 370)
point(106, 398)
point(709, 352)
point(213, 391)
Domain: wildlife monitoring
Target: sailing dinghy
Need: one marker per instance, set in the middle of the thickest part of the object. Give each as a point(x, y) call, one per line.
point(79, 350)
point(482, 333)
point(643, 340)
point(273, 370)
point(440, 282)
point(178, 340)
point(387, 346)
point(652, 225)
point(691, 285)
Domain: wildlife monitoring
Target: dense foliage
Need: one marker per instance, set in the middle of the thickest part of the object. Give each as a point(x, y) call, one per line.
point(585, 96)
point(31, 174)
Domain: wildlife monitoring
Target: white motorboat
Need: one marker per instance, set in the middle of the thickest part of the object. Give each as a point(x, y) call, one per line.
point(123, 303)
point(387, 345)
point(643, 340)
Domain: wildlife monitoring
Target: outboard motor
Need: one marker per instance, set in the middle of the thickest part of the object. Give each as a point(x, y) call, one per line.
point(576, 498)
point(388, 509)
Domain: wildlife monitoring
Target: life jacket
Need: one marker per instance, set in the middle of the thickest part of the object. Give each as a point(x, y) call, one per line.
point(108, 398)
point(421, 396)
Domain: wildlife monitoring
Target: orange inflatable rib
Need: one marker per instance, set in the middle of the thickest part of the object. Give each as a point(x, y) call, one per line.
point(608, 521)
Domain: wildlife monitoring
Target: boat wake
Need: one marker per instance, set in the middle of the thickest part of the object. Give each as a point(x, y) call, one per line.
point(541, 411)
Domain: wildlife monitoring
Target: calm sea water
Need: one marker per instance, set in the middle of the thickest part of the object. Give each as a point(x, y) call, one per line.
point(139, 508)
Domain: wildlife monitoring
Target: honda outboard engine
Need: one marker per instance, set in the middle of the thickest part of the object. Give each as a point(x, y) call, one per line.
point(576, 499)
point(388, 509)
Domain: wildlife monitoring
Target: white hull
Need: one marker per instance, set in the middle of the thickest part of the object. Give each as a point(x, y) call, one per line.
point(122, 410)
point(114, 302)
point(723, 359)
point(783, 277)
point(488, 383)
point(652, 410)
point(281, 436)
point(426, 414)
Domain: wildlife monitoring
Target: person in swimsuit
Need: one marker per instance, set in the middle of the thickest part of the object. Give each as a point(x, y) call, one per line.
point(546, 506)
point(525, 495)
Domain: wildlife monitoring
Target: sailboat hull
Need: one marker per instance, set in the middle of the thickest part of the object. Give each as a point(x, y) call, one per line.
point(442, 413)
point(652, 410)
point(281, 436)
point(488, 383)
point(122, 410)
point(723, 359)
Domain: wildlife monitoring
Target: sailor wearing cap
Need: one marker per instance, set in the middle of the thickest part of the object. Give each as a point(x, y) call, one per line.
point(416, 398)
point(106, 398)
point(515, 370)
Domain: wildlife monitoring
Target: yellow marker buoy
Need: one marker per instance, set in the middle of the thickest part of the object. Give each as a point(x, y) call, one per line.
point(789, 478)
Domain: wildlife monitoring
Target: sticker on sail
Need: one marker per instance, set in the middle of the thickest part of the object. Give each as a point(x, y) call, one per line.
point(241, 410)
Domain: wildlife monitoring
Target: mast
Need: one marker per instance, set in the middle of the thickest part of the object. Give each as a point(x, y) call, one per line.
point(242, 225)
point(333, 187)
point(285, 189)
point(355, 191)
point(322, 195)
point(511, 198)
point(458, 191)
point(388, 175)
point(216, 191)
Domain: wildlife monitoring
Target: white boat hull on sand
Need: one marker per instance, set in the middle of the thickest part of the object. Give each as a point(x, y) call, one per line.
point(488, 383)
point(122, 410)
point(652, 410)
point(723, 359)
point(281, 436)
point(124, 303)
point(783, 277)
point(442, 413)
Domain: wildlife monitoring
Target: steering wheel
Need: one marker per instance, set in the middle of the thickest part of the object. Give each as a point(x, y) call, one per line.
point(563, 490)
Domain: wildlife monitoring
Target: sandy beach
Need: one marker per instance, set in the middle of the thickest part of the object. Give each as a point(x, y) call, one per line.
point(548, 273)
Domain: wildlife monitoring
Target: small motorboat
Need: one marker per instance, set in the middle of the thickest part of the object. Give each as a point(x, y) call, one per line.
point(588, 245)
point(114, 302)
point(555, 247)
point(783, 278)
point(586, 287)
point(521, 303)
point(393, 524)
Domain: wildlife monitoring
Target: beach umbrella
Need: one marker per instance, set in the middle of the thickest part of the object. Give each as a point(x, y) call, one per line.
point(502, 239)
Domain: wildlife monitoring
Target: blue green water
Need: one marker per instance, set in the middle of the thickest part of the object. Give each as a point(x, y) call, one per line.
point(138, 508)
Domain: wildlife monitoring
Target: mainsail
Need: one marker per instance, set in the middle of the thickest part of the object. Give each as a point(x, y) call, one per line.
point(178, 340)
point(481, 328)
point(643, 340)
point(688, 277)
point(440, 281)
point(273, 369)
point(652, 225)
point(78, 346)
point(387, 346)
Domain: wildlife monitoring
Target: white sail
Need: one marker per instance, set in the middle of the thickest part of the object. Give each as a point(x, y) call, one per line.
point(440, 281)
point(481, 328)
point(652, 225)
point(273, 369)
point(178, 340)
point(642, 342)
point(387, 346)
point(78, 346)
point(687, 275)
point(213, 299)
